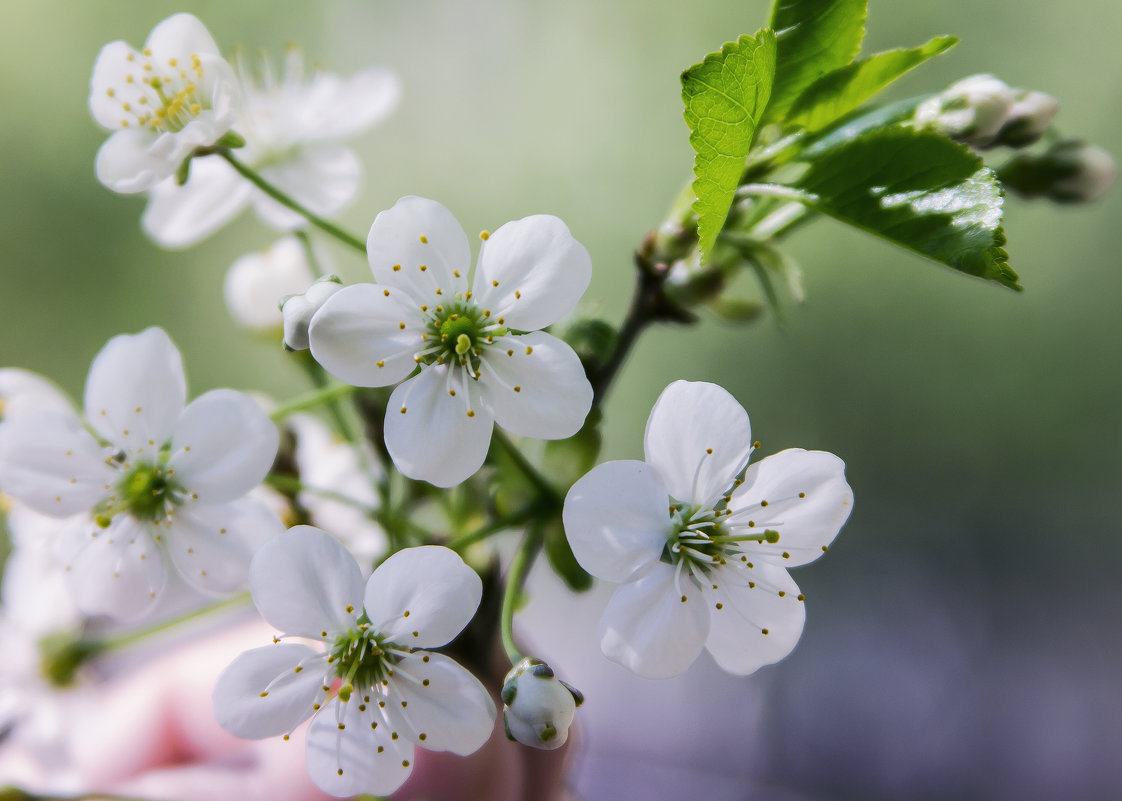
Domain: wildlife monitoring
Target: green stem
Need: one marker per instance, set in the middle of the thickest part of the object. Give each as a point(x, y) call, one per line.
point(327, 393)
point(129, 637)
point(327, 227)
point(495, 526)
point(547, 490)
point(515, 580)
point(309, 253)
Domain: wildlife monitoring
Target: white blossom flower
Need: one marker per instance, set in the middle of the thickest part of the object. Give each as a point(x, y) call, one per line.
point(23, 391)
point(257, 283)
point(326, 462)
point(375, 690)
point(700, 552)
point(538, 708)
point(162, 102)
point(292, 129)
point(297, 311)
point(971, 111)
point(482, 356)
point(161, 481)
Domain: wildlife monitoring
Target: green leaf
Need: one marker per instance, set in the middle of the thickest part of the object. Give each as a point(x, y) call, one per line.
point(839, 92)
point(815, 37)
point(725, 95)
point(921, 191)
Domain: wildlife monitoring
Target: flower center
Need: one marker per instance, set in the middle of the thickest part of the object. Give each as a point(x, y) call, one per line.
point(160, 95)
point(360, 658)
point(146, 491)
point(702, 539)
point(461, 332)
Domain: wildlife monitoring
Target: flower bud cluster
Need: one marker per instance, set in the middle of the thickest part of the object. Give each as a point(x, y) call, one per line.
point(983, 111)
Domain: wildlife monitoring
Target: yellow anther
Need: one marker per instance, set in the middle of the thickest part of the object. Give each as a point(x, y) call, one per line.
point(529, 350)
point(148, 51)
point(397, 268)
point(484, 235)
point(471, 413)
point(423, 267)
point(517, 388)
point(424, 239)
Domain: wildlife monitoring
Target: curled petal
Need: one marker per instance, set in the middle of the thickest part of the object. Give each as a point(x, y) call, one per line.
point(340, 107)
point(351, 752)
point(757, 616)
point(617, 519)
point(803, 495)
point(437, 428)
point(357, 335)
point(698, 438)
point(536, 386)
point(136, 390)
point(119, 572)
point(268, 691)
point(305, 583)
point(51, 463)
point(532, 272)
point(439, 705)
point(223, 446)
point(418, 246)
point(656, 625)
point(422, 597)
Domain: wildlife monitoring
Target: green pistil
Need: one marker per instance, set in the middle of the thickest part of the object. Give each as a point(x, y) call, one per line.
point(360, 659)
point(147, 492)
point(462, 330)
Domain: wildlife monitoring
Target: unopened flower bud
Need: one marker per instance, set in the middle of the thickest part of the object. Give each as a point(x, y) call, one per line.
point(1070, 171)
point(256, 281)
point(1028, 119)
point(971, 111)
point(538, 707)
point(297, 310)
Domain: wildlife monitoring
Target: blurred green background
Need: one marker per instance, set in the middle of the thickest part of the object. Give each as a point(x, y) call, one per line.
point(981, 427)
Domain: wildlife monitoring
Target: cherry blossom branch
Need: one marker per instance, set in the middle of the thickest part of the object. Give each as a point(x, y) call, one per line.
point(515, 580)
point(326, 226)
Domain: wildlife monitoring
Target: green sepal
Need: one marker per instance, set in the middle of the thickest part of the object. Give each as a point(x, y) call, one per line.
point(231, 139)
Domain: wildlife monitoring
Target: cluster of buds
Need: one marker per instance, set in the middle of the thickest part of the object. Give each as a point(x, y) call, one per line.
point(1070, 171)
point(983, 111)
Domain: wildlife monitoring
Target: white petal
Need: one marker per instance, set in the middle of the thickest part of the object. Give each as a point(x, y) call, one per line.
point(257, 281)
point(223, 446)
point(180, 216)
point(120, 572)
point(24, 391)
point(439, 705)
point(261, 694)
point(617, 519)
point(755, 625)
point(325, 178)
point(128, 163)
point(51, 463)
point(419, 232)
point(553, 395)
point(341, 107)
point(304, 582)
point(649, 629)
point(212, 546)
point(428, 431)
point(181, 35)
point(698, 438)
point(770, 497)
point(360, 326)
point(532, 272)
point(109, 88)
point(136, 390)
point(422, 597)
point(356, 758)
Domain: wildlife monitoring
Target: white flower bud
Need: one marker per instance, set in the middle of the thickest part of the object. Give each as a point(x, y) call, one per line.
point(971, 111)
point(538, 707)
point(1093, 171)
point(297, 310)
point(1028, 119)
point(257, 281)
